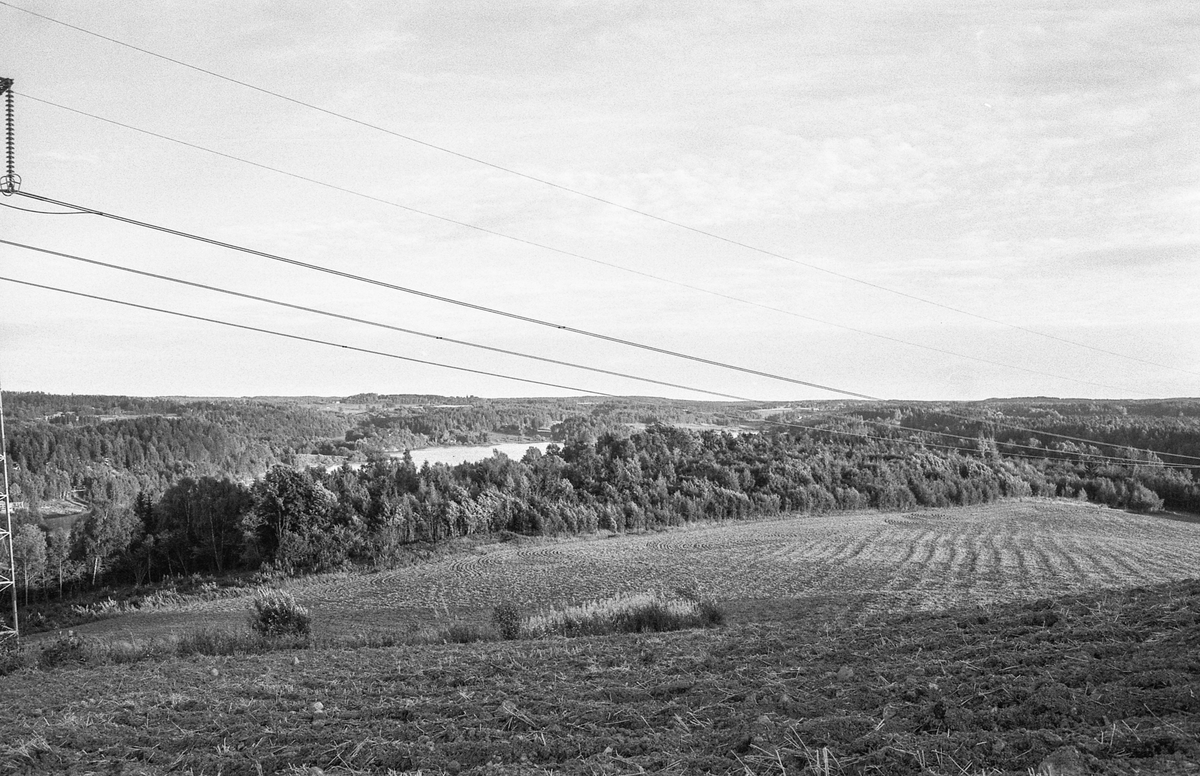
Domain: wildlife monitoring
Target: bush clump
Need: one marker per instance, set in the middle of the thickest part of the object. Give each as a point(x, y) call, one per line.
point(638, 613)
point(11, 658)
point(66, 650)
point(275, 613)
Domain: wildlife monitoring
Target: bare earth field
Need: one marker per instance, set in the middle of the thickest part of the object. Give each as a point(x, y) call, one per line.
point(1106, 682)
point(858, 563)
point(1025, 637)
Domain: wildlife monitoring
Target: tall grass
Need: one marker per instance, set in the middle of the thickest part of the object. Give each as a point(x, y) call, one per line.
point(285, 627)
point(629, 613)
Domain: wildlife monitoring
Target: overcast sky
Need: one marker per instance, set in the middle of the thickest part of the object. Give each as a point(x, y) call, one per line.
point(1032, 165)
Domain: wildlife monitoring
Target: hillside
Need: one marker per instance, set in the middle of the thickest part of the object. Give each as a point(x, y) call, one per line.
point(1107, 680)
point(859, 563)
point(171, 488)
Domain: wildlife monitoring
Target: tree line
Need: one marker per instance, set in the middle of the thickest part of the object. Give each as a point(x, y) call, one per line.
point(107, 449)
point(109, 455)
point(300, 520)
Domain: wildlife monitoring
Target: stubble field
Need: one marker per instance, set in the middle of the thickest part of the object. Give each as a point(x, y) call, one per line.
point(1024, 637)
point(846, 565)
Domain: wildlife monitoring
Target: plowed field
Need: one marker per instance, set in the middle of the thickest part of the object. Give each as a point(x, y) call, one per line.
point(859, 562)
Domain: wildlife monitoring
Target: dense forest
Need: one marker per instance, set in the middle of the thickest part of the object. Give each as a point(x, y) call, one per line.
point(105, 450)
point(186, 506)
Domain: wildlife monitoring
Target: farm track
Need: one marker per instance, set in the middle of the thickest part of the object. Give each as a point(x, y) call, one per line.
point(926, 560)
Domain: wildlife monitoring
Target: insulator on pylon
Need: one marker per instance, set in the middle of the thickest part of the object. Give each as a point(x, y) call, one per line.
point(10, 182)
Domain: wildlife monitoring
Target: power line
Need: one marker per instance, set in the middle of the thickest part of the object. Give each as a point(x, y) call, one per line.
point(44, 212)
point(364, 321)
point(519, 317)
point(307, 339)
point(884, 424)
point(571, 254)
point(449, 300)
point(343, 346)
point(593, 197)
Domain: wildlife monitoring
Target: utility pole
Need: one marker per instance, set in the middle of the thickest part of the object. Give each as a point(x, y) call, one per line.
point(10, 632)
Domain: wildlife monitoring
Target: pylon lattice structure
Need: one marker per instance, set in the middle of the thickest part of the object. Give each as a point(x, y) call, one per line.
point(9, 630)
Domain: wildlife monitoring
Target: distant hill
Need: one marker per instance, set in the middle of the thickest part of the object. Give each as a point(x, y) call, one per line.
point(108, 448)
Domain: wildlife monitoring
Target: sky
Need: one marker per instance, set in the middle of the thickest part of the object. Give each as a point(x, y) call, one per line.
point(916, 200)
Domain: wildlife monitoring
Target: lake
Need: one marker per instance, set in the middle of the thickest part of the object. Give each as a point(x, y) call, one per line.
point(463, 454)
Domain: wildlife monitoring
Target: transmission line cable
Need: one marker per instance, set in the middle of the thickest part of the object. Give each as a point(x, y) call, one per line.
point(458, 302)
point(571, 254)
point(844, 432)
point(377, 324)
point(45, 212)
point(596, 198)
point(882, 423)
point(313, 340)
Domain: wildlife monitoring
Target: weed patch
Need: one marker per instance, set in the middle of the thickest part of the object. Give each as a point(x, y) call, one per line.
point(638, 613)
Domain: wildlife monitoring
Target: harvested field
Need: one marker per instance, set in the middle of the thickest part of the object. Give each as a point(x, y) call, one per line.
point(1106, 682)
point(847, 565)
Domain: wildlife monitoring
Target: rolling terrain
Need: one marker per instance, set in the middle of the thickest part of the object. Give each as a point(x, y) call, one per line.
point(865, 561)
point(1020, 637)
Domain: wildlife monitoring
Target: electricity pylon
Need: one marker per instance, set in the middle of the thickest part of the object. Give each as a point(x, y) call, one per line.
point(10, 631)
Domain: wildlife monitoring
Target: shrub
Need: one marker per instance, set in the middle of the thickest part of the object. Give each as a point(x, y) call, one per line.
point(11, 658)
point(507, 619)
point(1142, 499)
point(67, 649)
point(275, 613)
